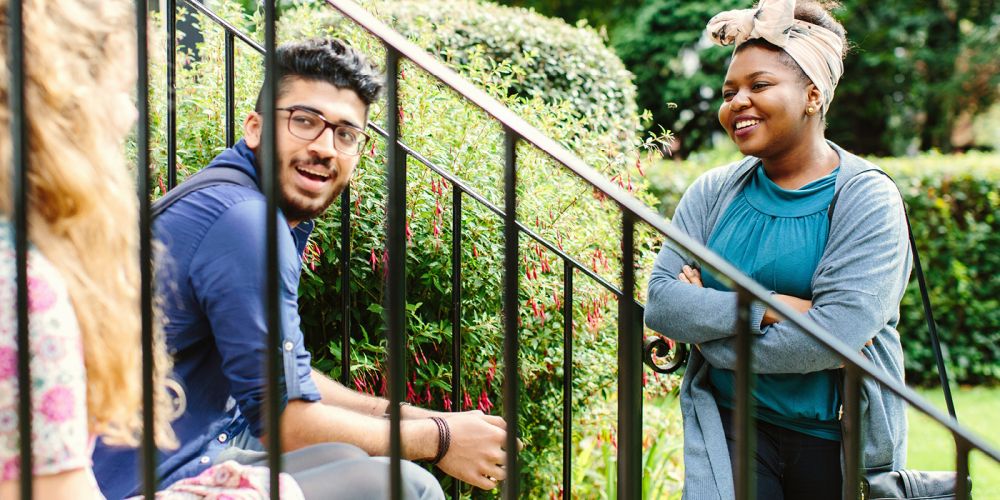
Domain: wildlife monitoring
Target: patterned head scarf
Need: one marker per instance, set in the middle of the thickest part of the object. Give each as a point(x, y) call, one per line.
point(816, 49)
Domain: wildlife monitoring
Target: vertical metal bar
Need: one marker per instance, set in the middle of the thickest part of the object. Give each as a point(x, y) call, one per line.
point(962, 486)
point(456, 309)
point(629, 373)
point(345, 285)
point(171, 93)
point(744, 421)
point(567, 378)
point(19, 165)
point(396, 294)
point(269, 176)
point(851, 431)
point(145, 251)
point(511, 342)
point(230, 89)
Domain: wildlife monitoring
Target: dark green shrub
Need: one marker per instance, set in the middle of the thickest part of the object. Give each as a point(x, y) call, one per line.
point(954, 207)
point(458, 137)
point(556, 62)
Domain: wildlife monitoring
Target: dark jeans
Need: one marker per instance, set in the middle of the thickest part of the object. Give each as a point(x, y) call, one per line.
point(790, 465)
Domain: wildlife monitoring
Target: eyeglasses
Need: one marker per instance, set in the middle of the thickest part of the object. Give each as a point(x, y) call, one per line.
point(309, 125)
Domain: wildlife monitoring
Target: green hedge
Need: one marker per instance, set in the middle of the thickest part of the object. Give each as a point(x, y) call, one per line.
point(556, 62)
point(954, 207)
point(460, 138)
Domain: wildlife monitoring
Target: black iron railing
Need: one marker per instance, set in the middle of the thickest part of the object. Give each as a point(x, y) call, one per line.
point(516, 130)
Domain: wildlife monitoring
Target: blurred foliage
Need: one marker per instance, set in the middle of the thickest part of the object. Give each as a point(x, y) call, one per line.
point(609, 13)
point(555, 62)
point(918, 74)
point(459, 138)
point(954, 209)
point(678, 72)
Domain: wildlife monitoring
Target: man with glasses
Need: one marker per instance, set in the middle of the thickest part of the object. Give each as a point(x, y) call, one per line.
point(212, 279)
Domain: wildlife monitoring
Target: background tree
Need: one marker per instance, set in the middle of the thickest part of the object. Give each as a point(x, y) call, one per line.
point(919, 71)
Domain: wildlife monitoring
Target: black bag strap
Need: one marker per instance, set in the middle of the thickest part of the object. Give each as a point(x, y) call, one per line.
point(200, 180)
point(925, 297)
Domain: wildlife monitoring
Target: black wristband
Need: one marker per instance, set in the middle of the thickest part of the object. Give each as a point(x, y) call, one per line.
point(444, 439)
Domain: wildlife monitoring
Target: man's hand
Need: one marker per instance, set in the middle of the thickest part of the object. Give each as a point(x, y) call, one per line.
point(476, 454)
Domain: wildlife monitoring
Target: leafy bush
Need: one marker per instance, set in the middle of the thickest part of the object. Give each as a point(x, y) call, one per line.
point(954, 208)
point(462, 140)
point(554, 61)
point(678, 71)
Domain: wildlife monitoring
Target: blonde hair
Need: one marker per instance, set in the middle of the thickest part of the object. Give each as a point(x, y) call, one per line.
point(82, 203)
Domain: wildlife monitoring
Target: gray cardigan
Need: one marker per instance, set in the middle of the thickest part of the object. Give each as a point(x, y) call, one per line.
point(857, 288)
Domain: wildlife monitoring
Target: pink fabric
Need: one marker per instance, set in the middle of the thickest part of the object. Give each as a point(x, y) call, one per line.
point(231, 481)
point(60, 440)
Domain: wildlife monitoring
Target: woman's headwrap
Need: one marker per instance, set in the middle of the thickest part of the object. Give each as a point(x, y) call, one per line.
point(816, 49)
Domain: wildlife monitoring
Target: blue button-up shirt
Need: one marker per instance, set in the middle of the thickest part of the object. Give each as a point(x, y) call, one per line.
point(212, 279)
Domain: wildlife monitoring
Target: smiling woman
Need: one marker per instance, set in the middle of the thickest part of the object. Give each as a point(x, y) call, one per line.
point(769, 215)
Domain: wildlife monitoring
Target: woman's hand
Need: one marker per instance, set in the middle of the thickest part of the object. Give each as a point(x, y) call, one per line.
point(771, 316)
point(690, 276)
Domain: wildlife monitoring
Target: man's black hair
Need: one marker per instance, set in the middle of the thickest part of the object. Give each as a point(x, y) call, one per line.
point(326, 60)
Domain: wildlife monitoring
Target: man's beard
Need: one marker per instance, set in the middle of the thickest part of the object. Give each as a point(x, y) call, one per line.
point(297, 207)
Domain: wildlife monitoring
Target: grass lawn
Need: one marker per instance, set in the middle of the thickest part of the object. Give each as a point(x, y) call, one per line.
point(932, 448)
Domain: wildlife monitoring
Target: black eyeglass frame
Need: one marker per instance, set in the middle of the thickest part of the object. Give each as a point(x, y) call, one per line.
point(327, 124)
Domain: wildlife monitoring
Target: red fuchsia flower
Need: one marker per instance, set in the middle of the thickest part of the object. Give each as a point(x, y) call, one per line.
point(485, 405)
point(491, 372)
point(559, 240)
point(556, 300)
point(638, 166)
point(475, 252)
point(446, 401)
point(371, 152)
point(402, 115)
point(402, 74)
point(383, 386)
point(466, 400)
point(427, 394)
point(436, 230)
point(421, 351)
point(630, 183)
point(358, 384)
point(163, 187)
point(411, 395)
point(409, 234)
point(644, 379)
point(437, 208)
point(373, 260)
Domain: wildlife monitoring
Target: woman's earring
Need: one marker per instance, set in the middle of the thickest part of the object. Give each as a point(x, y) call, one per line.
point(810, 110)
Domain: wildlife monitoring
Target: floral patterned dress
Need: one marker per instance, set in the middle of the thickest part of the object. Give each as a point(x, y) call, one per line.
point(60, 439)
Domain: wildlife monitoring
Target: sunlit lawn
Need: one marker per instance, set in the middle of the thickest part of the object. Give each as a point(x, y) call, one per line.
point(932, 448)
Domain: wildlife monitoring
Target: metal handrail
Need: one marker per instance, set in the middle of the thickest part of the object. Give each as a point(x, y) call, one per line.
point(632, 205)
point(747, 288)
point(515, 129)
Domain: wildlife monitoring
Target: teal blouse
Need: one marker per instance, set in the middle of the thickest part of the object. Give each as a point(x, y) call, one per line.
point(777, 236)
